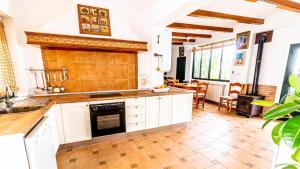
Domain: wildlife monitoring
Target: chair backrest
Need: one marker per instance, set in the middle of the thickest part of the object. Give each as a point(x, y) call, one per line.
point(202, 87)
point(235, 89)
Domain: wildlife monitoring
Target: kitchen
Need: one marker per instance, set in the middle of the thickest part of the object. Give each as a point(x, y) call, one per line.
point(90, 84)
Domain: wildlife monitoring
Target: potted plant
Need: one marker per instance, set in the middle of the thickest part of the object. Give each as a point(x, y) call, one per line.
point(286, 134)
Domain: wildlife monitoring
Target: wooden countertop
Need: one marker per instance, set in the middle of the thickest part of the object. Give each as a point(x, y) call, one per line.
point(22, 123)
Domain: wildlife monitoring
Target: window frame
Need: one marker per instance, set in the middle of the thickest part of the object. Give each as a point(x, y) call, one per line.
point(210, 60)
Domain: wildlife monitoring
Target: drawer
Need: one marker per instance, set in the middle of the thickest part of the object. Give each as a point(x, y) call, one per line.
point(139, 101)
point(135, 110)
point(133, 118)
point(135, 126)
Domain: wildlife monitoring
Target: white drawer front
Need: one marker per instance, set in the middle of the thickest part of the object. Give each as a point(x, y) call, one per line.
point(133, 118)
point(135, 110)
point(135, 126)
point(139, 101)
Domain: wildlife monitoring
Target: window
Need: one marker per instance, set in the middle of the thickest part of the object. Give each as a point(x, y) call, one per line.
point(6, 71)
point(214, 62)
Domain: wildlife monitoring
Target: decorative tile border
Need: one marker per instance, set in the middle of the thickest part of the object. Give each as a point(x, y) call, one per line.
point(69, 41)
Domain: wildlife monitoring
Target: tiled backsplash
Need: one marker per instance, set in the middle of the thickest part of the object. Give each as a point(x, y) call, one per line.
point(92, 70)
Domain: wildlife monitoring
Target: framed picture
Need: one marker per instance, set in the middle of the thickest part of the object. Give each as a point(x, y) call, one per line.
point(93, 20)
point(239, 58)
point(242, 40)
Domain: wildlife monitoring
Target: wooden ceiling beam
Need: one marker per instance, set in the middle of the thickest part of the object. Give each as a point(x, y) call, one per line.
point(194, 35)
point(177, 43)
point(282, 4)
point(183, 40)
point(201, 27)
point(240, 19)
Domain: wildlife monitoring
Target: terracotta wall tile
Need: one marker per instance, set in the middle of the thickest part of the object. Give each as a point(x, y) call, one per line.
point(120, 59)
point(51, 56)
point(104, 58)
point(121, 71)
point(105, 71)
point(73, 71)
point(90, 70)
point(132, 71)
point(121, 84)
point(87, 71)
point(89, 85)
point(106, 85)
point(72, 85)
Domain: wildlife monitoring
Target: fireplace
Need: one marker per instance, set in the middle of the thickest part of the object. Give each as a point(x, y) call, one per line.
point(244, 105)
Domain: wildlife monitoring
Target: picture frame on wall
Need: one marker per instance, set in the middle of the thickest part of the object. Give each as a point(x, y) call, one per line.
point(240, 58)
point(242, 40)
point(93, 20)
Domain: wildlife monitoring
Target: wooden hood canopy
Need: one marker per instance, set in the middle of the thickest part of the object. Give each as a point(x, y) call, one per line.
point(69, 41)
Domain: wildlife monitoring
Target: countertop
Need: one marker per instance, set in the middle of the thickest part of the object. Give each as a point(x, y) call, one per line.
point(22, 123)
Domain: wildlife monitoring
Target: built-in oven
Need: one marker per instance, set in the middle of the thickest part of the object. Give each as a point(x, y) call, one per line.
point(107, 118)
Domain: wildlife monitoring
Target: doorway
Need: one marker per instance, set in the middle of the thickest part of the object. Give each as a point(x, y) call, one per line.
point(292, 67)
point(180, 69)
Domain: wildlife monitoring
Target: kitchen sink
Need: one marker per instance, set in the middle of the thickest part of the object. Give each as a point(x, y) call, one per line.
point(19, 109)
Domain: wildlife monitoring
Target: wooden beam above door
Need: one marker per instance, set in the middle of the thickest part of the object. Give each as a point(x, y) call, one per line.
point(177, 43)
point(282, 4)
point(178, 25)
point(194, 35)
point(240, 19)
point(183, 40)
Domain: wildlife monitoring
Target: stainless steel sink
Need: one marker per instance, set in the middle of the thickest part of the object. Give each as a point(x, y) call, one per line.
point(19, 109)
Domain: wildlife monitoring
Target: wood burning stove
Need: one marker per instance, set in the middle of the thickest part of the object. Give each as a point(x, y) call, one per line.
point(244, 105)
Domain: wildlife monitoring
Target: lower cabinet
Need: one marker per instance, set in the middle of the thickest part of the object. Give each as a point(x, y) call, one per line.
point(182, 108)
point(158, 111)
point(76, 121)
point(165, 111)
point(135, 114)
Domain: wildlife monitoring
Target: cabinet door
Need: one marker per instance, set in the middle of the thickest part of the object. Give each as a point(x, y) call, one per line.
point(59, 123)
point(165, 110)
point(76, 121)
point(182, 107)
point(152, 110)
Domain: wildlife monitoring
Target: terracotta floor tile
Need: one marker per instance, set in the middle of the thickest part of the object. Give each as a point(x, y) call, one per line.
point(213, 140)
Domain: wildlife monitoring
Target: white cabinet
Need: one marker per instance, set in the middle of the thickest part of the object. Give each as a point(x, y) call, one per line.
point(59, 124)
point(158, 111)
point(135, 114)
point(165, 111)
point(152, 111)
point(182, 107)
point(51, 115)
point(76, 121)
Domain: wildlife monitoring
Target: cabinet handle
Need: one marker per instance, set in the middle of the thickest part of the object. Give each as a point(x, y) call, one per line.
point(136, 107)
point(136, 115)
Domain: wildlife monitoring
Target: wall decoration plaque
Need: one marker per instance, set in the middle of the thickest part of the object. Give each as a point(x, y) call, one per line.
point(94, 20)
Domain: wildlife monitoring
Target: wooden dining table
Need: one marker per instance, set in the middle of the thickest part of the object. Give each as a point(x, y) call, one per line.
point(187, 86)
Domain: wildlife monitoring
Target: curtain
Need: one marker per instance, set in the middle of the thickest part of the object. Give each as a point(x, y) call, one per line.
point(6, 70)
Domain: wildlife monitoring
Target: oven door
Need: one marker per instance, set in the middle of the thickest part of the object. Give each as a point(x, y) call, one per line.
point(107, 119)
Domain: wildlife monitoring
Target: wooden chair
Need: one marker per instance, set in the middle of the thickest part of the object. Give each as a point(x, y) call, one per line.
point(200, 94)
point(235, 89)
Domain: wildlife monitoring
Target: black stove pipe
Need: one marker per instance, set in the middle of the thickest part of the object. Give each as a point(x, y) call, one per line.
point(261, 42)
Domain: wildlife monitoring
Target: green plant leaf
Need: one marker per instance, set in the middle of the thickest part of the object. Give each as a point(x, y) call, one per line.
point(262, 103)
point(290, 166)
point(292, 99)
point(266, 123)
point(294, 81)
point(281, 110)
point(291, 132)
point(296, 156)
point(276, 133)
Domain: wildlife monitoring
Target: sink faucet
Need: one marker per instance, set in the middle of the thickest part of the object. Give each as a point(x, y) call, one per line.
point(8, 102)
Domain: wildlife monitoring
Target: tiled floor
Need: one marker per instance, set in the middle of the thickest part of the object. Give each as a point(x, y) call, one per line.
point(214, 140)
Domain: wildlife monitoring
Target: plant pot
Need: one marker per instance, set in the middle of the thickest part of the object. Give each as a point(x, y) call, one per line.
point(282, 156)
